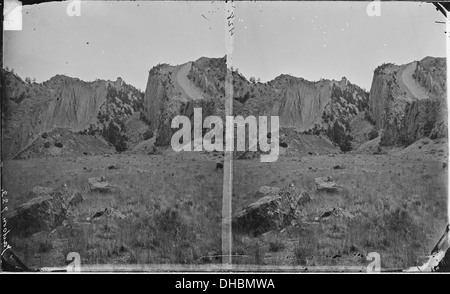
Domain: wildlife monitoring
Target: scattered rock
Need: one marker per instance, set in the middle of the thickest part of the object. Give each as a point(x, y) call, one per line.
point(113, 166)
point(99, 184)
point(338, 166)
point(326, 184)
point(275, 210)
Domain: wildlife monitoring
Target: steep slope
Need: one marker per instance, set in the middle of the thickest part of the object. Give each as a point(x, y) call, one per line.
point(30, 109)
point(408, 102)
point(62, 142)
point(414, 88)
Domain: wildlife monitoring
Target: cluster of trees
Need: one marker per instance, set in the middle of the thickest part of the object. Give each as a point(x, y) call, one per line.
point(112, 133)
point(253, 80)
point(338, 135)
point(28, 80)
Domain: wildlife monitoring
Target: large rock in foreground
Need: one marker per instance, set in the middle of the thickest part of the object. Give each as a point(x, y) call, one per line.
point(45, 211)
point(326, 184)
point(100, 184)
point(275, 210)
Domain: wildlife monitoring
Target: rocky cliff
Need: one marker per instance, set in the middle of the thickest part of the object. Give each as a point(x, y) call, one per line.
point(31, 109)
point(300, 104)
point(408, 102)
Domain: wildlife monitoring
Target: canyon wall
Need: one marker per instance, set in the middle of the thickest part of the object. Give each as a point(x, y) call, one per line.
point(300, 104)
point(408, 102)
point(30, 109)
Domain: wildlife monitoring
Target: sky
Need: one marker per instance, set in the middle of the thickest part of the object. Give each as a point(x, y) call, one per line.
point(312, 40)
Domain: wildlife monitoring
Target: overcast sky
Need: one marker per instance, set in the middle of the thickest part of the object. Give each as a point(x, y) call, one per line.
point(310, 40)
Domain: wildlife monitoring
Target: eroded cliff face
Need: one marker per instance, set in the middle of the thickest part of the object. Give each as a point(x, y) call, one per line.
point(300, 104)
point(30, 109)
point(431, 73)
point(408, 102)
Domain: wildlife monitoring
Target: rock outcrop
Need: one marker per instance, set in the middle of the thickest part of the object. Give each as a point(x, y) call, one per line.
point(30, 109)
point(274, 210)
point(100, 184)
point(408, 102)
point(326, 184)
point(313, 107)
point(47, 209)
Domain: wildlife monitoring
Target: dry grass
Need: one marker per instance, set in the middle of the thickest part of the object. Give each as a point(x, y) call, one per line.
point(399, 208)
point(172, 213)
point(173, 210)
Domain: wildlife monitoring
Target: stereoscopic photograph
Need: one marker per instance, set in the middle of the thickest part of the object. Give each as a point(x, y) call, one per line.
point(224, 136)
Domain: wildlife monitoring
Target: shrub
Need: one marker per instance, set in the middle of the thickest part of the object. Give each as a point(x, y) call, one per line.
point(276, 245)
point(369, 118)
point(58, 144)
point(45, 246)
point(372, 134)
point(44, 135)
point(113, 135)
point(148, 134)
point(337, 134)
point(47, 144)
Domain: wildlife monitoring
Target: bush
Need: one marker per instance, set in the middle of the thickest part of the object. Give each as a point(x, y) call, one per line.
point(372, 134)
point(338, 135)
point(47, 144)
point(44, 135)
point(148, 134)
point(113, 135)
point(58, 144)
point(276, 245)
point(369, 118)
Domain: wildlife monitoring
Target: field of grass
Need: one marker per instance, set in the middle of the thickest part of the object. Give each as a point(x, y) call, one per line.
point(172, 206)
point(399, 207)
point(172, 210)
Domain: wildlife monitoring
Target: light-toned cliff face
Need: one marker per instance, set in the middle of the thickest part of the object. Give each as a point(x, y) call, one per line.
point(30, 109)
point(407, 102)
point(300, 104)
point(77, 103)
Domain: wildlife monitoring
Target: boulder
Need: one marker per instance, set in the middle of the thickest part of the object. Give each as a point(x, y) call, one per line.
point(273, 211)
point(326, 184)
point(45, 211)
point(99, 184)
